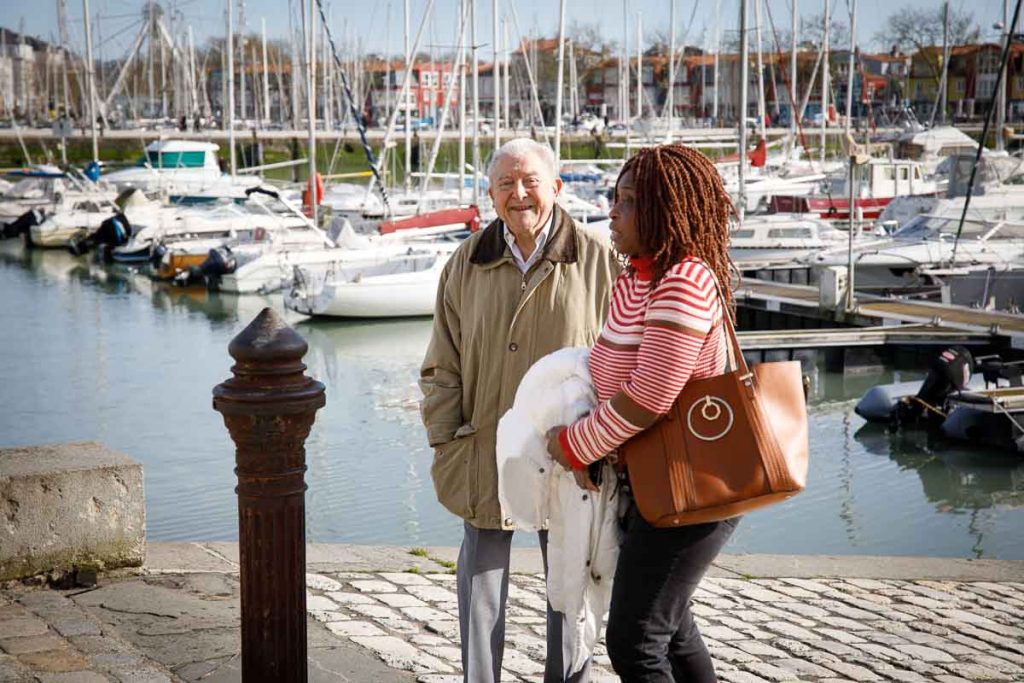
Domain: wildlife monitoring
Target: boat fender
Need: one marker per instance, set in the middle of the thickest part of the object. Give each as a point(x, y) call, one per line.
point(308, 193)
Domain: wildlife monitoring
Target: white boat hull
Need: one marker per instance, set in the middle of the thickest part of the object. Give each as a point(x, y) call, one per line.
point(364, 294)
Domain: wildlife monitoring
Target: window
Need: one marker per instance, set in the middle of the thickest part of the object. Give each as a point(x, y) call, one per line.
point(742, 234)
point(988, 62)
point(176, 159)
point(986, 86)
point(904, 173)
point(791, 233)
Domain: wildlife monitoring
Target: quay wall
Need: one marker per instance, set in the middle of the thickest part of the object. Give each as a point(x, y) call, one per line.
point(69, 506)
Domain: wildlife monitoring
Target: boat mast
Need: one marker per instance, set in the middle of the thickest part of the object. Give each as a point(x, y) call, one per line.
point(230, 48)
point(311, 106)
point(63, 30)
point(495, 78)
point(624, 79)
point(1001, 111)
point(404, 94)
point(825, 79)
point(718, 46)
point(760, 72)
point(744, 78)
point(465, 7)
point(476, 103)
point(629, 128)
point(90, 82)
point(507, 61)
point(266, 73)
point(849, 74)
point(670, 104)
point(559, 86)
point(793, 90)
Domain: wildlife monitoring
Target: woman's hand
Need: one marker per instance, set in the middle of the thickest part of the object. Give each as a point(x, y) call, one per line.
point(584, 481)
point(555, 447)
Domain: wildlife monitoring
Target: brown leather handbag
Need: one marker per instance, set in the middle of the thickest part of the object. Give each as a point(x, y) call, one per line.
point(729, 444)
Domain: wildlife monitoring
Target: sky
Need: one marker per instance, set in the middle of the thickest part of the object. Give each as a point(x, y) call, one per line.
point(377, 25)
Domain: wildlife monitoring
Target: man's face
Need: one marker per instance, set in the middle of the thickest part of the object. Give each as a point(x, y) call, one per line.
point(523, 190)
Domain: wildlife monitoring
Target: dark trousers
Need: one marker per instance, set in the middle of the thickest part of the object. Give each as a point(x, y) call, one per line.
point(651, 636)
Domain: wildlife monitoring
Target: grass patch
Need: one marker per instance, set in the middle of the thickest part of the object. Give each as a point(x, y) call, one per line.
point(418, 552)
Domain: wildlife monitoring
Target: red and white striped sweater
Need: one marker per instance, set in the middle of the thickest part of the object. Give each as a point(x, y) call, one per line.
point(653, 343)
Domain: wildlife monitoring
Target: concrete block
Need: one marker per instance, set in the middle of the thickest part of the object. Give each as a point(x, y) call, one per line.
point(67, 505)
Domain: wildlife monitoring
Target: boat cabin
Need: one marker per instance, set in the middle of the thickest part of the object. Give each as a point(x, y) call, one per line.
point(887, 178)
point(181, 154)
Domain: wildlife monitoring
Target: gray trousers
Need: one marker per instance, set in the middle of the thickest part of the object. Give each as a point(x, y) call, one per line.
point(482, 584)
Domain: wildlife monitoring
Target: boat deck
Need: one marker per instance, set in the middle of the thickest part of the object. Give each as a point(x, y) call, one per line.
point(1002, 400)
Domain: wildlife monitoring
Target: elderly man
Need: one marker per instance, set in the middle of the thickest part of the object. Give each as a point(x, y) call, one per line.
point(530, 283)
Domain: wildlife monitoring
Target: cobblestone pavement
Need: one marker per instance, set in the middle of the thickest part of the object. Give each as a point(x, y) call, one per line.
point(385, 616)
point(757, 630)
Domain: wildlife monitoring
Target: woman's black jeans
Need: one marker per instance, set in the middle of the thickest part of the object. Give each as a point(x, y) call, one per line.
point(651, 636)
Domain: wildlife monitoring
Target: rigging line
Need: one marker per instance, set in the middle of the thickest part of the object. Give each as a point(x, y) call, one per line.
point(682, 46)
point(356, 114)
point(790, 91)
point(984, 131)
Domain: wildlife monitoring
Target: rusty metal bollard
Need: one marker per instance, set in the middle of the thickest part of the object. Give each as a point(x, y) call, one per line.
point(268, 407)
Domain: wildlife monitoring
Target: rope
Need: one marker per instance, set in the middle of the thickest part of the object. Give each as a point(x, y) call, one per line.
point(353, 109)
point(984, 131)
point(926, 405)
point(999, 406)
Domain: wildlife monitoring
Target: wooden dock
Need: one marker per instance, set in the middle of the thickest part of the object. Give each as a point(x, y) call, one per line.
point(846, 337)
point(888, 312)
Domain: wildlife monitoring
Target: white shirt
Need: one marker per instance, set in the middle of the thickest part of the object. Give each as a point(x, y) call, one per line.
point(541, 240)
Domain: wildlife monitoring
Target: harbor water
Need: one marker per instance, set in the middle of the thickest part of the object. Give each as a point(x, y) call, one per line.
point(92, 354)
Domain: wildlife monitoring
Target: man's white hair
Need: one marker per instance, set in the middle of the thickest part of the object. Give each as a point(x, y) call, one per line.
point(521, 148)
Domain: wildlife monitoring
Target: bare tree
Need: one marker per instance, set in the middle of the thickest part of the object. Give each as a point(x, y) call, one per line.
point(911, 28)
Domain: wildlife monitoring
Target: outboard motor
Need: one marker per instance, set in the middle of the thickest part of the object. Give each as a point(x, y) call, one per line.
point(950, 371)
point(220, 261)
point(998, 372)
point(22, 223)
point(113, 232)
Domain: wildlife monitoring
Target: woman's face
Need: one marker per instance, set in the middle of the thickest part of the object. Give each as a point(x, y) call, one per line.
point(625, 236)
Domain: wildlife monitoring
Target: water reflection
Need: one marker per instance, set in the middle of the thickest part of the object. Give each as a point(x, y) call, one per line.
point(954, 478)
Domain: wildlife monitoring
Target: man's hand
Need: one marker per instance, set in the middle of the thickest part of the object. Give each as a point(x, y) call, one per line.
point(555, 447)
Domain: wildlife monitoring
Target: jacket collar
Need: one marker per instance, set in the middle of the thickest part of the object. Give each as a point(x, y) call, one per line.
point(561, 246)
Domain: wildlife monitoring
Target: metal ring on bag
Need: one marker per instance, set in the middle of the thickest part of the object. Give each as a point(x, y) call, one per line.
point(707, 404)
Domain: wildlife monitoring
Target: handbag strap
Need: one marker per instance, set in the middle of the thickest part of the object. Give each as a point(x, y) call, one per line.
point(736, 359)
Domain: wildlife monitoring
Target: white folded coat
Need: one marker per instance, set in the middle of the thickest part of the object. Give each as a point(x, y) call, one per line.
point(536, 492)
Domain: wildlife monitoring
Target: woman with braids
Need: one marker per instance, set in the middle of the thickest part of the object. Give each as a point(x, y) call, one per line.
point(669, 223)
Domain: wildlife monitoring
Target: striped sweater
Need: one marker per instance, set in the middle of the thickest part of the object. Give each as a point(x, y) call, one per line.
point(652, 343)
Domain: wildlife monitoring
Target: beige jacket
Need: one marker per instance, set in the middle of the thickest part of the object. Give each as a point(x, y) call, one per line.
point(491, 323)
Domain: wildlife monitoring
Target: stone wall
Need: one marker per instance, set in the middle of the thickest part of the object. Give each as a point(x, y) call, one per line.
point(69, 505)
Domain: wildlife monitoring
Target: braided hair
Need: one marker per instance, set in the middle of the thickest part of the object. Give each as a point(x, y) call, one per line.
point(682, 210)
